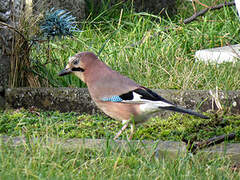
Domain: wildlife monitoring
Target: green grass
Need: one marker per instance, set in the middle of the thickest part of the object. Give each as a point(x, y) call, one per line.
point(43, 160)
point(165, 59)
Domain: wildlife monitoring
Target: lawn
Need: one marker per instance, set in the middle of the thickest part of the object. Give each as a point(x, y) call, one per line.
point(41, 160)
point(155, 52)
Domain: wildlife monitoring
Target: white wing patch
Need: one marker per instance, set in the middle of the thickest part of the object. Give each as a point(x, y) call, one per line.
point(137, 97)
point(153, 106)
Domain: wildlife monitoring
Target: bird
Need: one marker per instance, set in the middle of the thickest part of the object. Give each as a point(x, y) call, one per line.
point(116, 95)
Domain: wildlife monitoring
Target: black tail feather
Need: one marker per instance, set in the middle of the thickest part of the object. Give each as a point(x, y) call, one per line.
point(186, 111)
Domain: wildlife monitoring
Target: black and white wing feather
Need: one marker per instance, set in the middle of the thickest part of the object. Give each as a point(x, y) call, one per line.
point(150, 101)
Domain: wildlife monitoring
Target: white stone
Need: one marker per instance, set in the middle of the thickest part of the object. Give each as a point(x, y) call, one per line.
point(237, 2)
point(234, 104)
point(219, 55)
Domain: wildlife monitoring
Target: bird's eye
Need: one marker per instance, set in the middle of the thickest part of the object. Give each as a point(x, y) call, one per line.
point(76, 62)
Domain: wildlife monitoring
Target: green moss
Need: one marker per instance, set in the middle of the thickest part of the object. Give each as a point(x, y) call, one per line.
point(73, 125)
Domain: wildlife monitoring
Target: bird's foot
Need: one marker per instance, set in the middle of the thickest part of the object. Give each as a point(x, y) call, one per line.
point(121, 130)
point(131, 133)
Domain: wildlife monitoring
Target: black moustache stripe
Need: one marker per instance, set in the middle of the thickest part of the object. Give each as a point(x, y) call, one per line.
point(78, 69)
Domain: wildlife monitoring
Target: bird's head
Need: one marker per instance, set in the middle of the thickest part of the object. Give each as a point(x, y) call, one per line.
point(79, 64)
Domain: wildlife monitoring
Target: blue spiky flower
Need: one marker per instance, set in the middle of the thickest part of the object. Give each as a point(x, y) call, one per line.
point(58, 23)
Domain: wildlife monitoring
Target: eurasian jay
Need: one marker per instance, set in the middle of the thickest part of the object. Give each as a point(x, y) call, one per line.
point(118, 96)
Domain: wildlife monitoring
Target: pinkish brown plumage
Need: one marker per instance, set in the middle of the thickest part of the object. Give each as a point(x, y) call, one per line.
point(118, 96)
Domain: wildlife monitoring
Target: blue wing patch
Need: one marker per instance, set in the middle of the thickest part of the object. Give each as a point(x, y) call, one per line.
point(113, 99)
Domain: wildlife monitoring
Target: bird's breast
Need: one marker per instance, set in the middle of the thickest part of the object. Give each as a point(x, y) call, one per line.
point(119, 111)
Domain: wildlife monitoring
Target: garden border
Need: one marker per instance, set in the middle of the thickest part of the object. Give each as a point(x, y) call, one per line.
point(79, 100)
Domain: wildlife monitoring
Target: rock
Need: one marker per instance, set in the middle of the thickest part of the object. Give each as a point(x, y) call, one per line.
point(4, 70)
point(237, 2)
point(82, 8)
point(76, 7)
point(4, 5)
point(79, 100)
point(5, 16)
point(62, 99)
point(10, 12)
point(219, 55)
point(2, 98)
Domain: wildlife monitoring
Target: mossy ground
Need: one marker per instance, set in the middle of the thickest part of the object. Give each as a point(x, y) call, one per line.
point(72, 125)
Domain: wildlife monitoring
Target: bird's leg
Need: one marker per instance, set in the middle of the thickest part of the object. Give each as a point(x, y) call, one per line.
point(132, 128)
point(132, 131)
point(121, 130)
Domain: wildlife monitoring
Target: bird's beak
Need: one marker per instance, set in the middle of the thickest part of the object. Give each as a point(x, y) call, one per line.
point(65, 72)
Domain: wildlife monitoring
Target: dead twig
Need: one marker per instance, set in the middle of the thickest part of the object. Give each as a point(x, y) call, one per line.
point(215, 98)
point(193, 148)
point(202, 12)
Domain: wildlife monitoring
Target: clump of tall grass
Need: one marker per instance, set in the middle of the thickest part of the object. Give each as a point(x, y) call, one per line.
point(32, 31)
